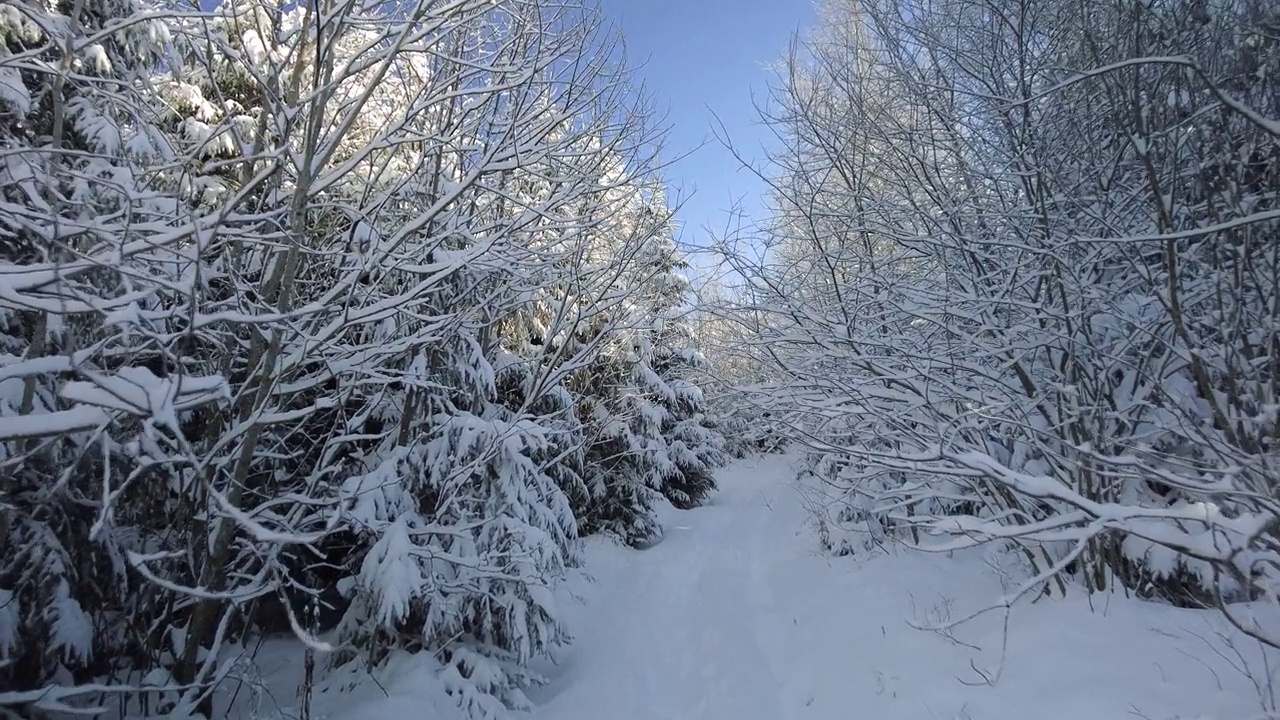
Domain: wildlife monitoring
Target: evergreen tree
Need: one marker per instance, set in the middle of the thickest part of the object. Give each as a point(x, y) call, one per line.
point(694, 445)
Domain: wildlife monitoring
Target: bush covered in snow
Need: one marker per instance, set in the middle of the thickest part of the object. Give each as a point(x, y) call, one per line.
point(1018, 286)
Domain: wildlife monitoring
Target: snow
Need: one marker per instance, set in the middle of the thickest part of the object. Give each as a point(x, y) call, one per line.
point(138, 391)
point(72, 630)
point(77, 419)
point(266, 689)
point(96, 57)
point(13, 91)
point(738, 615)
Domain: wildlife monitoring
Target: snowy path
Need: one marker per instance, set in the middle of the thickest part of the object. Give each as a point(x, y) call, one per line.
point(735, 615)
point(684, 633)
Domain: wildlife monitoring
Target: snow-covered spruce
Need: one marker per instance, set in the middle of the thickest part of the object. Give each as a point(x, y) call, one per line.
point(467, 537)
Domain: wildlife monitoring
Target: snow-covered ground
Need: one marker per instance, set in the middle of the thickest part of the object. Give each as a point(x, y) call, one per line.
point(736, 615)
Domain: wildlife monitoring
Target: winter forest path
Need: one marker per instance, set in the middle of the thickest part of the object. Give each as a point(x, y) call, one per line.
point(690, 630)
point(738, 615)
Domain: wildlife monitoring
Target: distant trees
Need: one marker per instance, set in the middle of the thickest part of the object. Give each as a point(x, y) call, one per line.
point(342, 303)
point(1020, 284)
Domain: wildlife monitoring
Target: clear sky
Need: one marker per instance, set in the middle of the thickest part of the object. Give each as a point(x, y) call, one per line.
point(700, 56)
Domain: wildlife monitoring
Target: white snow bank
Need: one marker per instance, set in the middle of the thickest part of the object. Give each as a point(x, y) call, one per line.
point(407, 687)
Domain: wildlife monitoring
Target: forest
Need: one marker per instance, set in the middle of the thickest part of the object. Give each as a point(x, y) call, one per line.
point(354, 322)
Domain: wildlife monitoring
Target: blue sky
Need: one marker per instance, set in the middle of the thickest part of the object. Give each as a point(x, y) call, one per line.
point(699, 56)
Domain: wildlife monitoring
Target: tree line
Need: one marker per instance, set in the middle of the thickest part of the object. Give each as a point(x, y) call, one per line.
point(341, 317)
point(1020, 285)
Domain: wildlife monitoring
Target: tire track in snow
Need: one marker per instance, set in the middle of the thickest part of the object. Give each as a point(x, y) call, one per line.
point(738, 678)
point(679, 636)
point(632, 659)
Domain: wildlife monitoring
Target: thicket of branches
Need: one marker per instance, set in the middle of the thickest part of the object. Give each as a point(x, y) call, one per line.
point(339, 316)
point(1020, 285)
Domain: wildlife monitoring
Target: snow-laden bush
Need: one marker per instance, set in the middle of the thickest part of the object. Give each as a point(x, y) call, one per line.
point(467, 537)
point(1018, 286)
